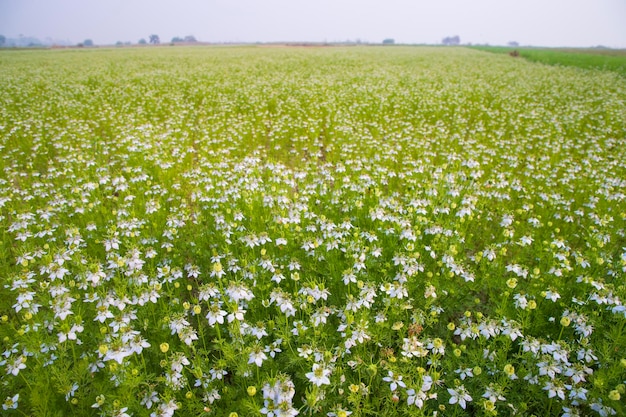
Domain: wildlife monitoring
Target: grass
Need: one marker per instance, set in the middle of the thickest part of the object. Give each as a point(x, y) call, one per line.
point(310, 231)
point(589, 59)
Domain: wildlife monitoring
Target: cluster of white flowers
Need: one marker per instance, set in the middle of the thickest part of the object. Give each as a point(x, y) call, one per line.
point(278, 398)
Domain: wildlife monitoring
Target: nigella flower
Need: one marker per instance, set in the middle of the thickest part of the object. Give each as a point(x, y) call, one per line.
point(215, 314)
point(494, 393)
point(187, 335)
point(570, 412)
point(489, 254)
point(394, 381)
point(178, 362)
point(525, 241)
point(506, 221)
point(71, 391)
point(274, 348)
point(464, 373)
point(277, 398)
point(150, 399)
point(348, 277)
point(257, 356)
point(71, 334)
point(520, 301)
point(418, 398)
point(11, 402)
point(237, 314)
point(17, 365)
point(165, 409)
point(121, 412)
point(552, 295)
point(238, 292)
point(339, 412)
point(178, 323)
point(555, 390)
point(459, 396)
point(319, 375)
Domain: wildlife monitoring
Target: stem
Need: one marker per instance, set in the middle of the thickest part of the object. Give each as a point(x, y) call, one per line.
point(26, 381)
point(561, 333)
point(143, 360)
point(73, 353)
point(21, 412)
point(201, 330)
point(549, 406)
point(219, 333)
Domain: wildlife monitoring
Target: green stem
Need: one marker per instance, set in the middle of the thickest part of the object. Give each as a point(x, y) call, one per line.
point(201, 330)
point(26, 381)
point(73, 353)
point(145, 368)
point(219, 333)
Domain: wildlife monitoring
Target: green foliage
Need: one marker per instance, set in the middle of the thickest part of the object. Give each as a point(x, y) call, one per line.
point(324, 231)
point(590, 59)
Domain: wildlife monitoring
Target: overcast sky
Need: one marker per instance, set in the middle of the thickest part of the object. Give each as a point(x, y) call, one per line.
point(529, 22)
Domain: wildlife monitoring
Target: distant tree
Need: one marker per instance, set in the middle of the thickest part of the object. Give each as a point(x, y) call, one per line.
point(119, 43)
point(142, 41)
point(389, 41)
point(88, 42)
point(3, 40)
point(190, 39)
point(513, 44)
point(177, 39)
point(154, 39)
point(451, 40)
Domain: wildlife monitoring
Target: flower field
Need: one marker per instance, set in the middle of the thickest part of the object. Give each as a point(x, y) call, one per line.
point(365, 231)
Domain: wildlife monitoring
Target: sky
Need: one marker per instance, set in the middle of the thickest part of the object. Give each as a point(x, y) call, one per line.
point(551, 23)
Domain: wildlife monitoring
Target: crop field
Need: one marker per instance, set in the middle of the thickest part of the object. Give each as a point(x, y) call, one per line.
point(591, 58)
point(358, 231)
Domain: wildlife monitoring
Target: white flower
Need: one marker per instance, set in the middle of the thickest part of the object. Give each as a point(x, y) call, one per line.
point(460, 396)
point(117, 354)
point(490, 254)
point(17, 365)
point(71, 391)
point(570, 412)
point(237, 314)
point(464, 373)
point(187, 335)
point(215, 315)
point(520, 301)
point(319, 375)
point(506, 221)
point(552, 295)
point(554, 390)
point(257, 356)
point(121, 413)
point(394, 381)
point(11, 402)
point(525, 241)
point(150, 399)
point(165, 409)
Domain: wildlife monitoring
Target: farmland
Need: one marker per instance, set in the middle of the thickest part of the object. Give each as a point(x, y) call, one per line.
point(592, 58)
point(245, 231)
